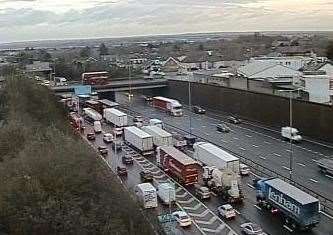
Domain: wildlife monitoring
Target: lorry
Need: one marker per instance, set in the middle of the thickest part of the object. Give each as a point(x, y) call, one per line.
point(166, 192)
point(211, 155)
point(76, 121)
point(160, 136)
point(146, 195)
point(115, 117)
point(179, 142)
point(289, 133)
point(156, 122)
point(139, 139)
point(177, 164)
point(172, 107)
point(93, 104)
point(325, 166)
point(225, 183)
point(95, 78)
point(97, 127)
point(299, 209)
point(92, 115)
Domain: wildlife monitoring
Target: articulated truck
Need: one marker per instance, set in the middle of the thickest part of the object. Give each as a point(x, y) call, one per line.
point(139, 139)
point(173, 107)
point(115, 117)
point(160, 136)
point(299, 209)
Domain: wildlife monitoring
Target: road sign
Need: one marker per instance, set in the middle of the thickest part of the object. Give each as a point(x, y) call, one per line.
point(82, 89)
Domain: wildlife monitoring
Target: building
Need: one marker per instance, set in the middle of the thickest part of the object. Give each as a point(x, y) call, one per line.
point(38, 68)
point(318, 85)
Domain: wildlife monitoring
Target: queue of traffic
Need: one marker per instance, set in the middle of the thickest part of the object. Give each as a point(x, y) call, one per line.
point(206, 167)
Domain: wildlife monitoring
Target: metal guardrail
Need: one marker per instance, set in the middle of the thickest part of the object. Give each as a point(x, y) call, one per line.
point(326, 203)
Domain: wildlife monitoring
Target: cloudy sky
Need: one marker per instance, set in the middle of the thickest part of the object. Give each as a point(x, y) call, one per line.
point(58, 19)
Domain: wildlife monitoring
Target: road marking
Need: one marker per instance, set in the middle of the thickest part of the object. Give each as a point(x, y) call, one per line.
point(255, 174)
point(257, 207)
point(276, 154)
point(286, 168)
point(329, 176)
point(289, 229)
point(288, 150)
point(215, 231)
point(241, 148)
point(203, 126)
point(235, 138)
point(314, 160)
point(327, 215)
point(300, 164)
point(256, 146)
point(203, 214)
point(194, 208)
point(207, 134)
point(212, 220)
point(266, 142)
point(251, 186)
point(223, 141)
point(249, 136)
point(181, 195)
point(187, 201)
point(263, 158)
point(313, 180)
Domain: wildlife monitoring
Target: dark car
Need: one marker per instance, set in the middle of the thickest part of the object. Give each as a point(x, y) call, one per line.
point(198, 110)
point(102, 150)
point(190, 140)
point(121, 171)
point(222, 128)
point(127, 159)
point(146, 176)
point(91, 136)
point(116, 145)
point(138, 119)
point(234, 120)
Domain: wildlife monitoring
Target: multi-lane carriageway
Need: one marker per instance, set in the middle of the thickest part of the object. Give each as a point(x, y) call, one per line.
point(204, 214)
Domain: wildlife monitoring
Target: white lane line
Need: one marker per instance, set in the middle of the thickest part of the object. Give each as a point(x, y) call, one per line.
point(314, 160)
point(255, 174)
point(289, 229)
point(223, 141)
point(276, 154)
point(286, 168)
point(257, 207)
point(207, 134)
point(249, 136)
point(327, 215)
point(256, 146)
point(241, 148)
point(329, 176)
point(203, 126)
point(251, 186)
point(237, 212)
point(313, 180)
point(266, 142)
point(288, 150)
point(235, 138)
point(300, 164)
point(263, 158)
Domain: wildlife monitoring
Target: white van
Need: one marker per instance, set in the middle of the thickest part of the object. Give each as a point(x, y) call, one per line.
point(97, 127)
point(291, 134)
point(156, 122)
point(167, 193)
point(244, 169)
point(146, 194)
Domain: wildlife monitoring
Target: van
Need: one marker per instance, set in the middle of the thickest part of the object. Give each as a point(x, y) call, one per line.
point(244, 169)
point(289, 133)
point(97, 127)
point(202, 192)
point(156, 122)
point(146, 194)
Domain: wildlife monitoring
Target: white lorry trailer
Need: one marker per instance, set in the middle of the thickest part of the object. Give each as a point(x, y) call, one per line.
point(139, 139)
point(160, 136)
point(290, 133)
point(146, 194)
point(115, 117)
point(166, 193)
point(211, 155)
point(91, 115)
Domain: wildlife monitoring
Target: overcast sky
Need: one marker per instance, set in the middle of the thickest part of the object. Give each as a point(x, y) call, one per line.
point(50, 19)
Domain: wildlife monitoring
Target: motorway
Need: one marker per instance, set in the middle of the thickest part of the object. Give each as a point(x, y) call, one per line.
point(259, 145)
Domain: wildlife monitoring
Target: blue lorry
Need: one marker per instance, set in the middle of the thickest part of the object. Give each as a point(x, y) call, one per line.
point(299, 209)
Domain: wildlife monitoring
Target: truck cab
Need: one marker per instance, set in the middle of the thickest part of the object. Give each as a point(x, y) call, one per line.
point(97, 127)
point(290, 133)
point(156, 122)
point(176, 110)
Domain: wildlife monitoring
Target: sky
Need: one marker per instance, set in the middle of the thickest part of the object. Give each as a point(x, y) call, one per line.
point(65, 19)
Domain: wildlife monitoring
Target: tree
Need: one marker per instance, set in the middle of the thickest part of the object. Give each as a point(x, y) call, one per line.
point(329, 50)
point(85, 52)
point(43, 55)
point(201, 47)
point(103, 50)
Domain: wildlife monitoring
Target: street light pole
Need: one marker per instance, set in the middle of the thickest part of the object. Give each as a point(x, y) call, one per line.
point(290, 139)
point(190, 103)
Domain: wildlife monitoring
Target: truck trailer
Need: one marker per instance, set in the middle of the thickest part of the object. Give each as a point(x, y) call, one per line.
point(146, 194)
point(91, 115)
point(139, 139)
point(299, 209)
point(115, 117)
point(325, 166)
point(173, 107)
point(160, 136)
point(211, 155)
point(166, 192)
point(180, 166)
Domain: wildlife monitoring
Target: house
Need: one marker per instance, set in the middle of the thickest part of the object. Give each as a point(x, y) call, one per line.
point(38, 68)
point(171, 65)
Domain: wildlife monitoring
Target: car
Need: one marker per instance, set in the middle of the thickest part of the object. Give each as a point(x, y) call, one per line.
point(116, 145)
point(234, 120)
point(91, 136)
point(251, 229)
point(227, 211)
point(102, 150)
point(146, 176)
point(127, 159)
point(202, 192)
point(138, 124)
point(138, 119)
point(182, 218)
point(117, 131)
point(198, 110)
point(107, 137)
point(244, 169)
point(121, 171)
point(222, 128)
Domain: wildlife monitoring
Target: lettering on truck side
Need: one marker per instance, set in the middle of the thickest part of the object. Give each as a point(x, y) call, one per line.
point(280, 200)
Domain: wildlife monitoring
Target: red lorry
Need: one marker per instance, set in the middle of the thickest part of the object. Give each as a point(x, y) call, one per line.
point(180, 166)
point(94, 104)
point(173, 107)
point(95, 78)
point(76, 121)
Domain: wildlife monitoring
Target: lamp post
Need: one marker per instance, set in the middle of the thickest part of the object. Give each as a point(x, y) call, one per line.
point(190, 101)
point(291, 157)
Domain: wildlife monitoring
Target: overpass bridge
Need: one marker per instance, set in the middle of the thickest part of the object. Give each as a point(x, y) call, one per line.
point(118, 85)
